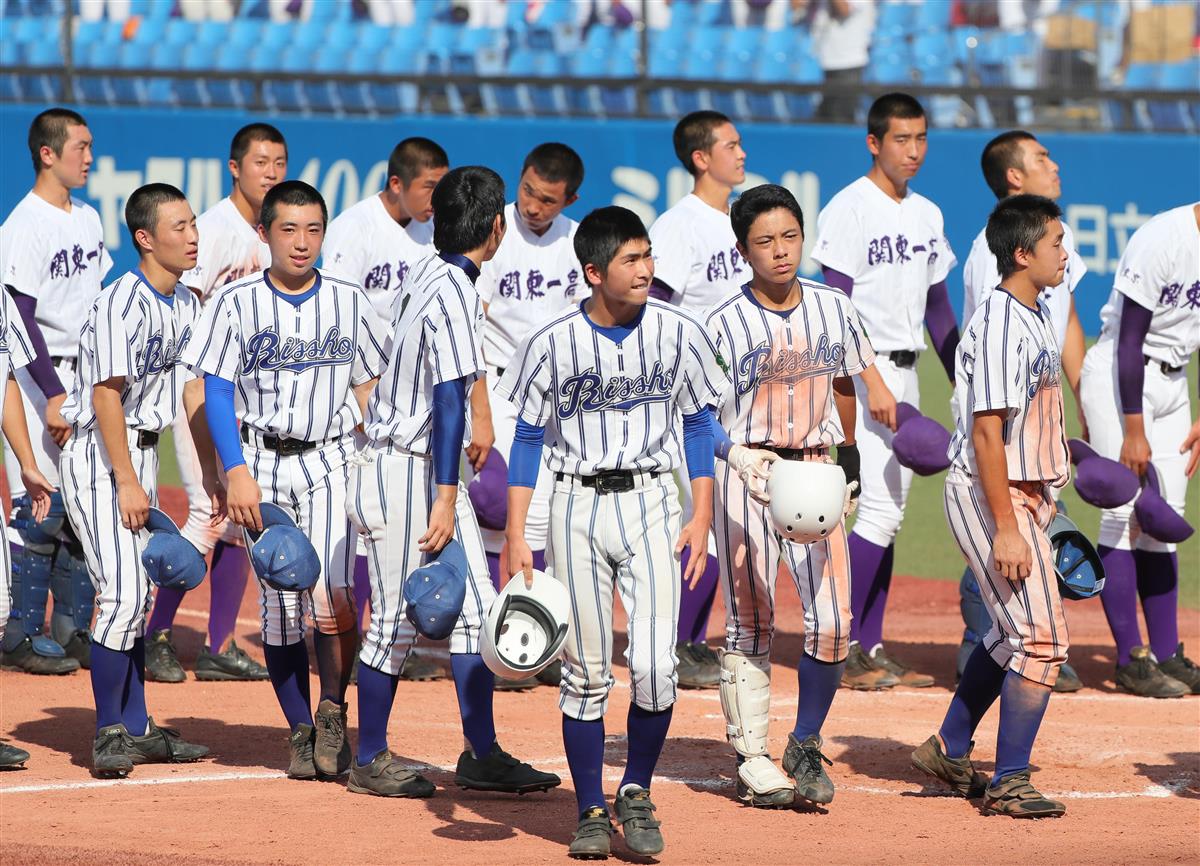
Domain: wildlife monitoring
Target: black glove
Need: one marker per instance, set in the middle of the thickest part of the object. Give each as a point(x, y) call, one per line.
point(847, 458)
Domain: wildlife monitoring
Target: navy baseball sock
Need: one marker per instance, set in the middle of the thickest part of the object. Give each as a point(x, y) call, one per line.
point(475, 684)
point(819, 682)
point(376, 694)
point(110, 673)
point(133, 696)
point(288, 667)
point(645, 734)
point(1022, 706)
point(584, 744)
point(977, 690)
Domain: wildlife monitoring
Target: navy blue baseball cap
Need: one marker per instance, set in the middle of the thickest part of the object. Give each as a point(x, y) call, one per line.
point(435, 592)
point(282, 555)
point(170, 560)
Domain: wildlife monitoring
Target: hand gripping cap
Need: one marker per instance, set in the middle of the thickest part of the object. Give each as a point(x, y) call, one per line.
point(281, 554)
point(1080, 572)
point(170, 560)
point(525, 627)
point(434, 593)
point(807, 499)
point(1155, 515)
point(1099, 481)
point(488, 491)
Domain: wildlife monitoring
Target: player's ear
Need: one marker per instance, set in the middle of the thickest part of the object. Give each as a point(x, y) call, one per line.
point(741, 250)
point(700, 160)
point(395, 185)
point(262, 232)
point(873, 144)
point(593, 275)
point(571, 199)
point(234, 169)
point(144, 241)
point(1013, 177)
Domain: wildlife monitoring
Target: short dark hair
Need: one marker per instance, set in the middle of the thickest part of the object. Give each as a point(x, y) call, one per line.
point(556, 162)
point(1002, 153)
point(695, 132)
point(51, 129)
point(466, 202)
point(898, 105)
point(753, 203)
point(251, 133)
point(414, 155)
point(1017, 223)
point(603, 232)
point(141, 210)
point(290, 192)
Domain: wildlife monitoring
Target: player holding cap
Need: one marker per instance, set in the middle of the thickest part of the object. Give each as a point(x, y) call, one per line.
point(1009, 450)
point(406, 497)
point(1135, 396)
point(697, 264)
point(230, 250)
point(127, 389)
point(792, 346)
point(607, 380)
point(292, 353)
point(884, 245)
point(374, 244)
point(54, 262)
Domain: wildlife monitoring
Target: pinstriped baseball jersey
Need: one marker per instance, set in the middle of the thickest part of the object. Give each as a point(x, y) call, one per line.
point(783, 365)
point(134, 332)
point(613, 405)
point(695, 253)
point(1008, 359)
point(230, 250)
point(438, 324)
point(16, 350)
point(292, 364)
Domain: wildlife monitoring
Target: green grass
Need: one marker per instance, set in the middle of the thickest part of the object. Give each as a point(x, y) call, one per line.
point(925, 548)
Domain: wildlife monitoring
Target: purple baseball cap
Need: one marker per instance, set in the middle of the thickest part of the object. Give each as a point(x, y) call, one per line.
point(1155, 515)
point(921, 445)
point(1100, 481)
point(906, 412)
point(488, 491)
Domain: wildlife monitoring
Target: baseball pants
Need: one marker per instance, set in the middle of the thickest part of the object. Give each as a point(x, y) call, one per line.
point(198, 528)
point(1028, 633)
point(6, 564)
point(388, 500)
point(112, 552)
point(45, 451)
point(622, 541)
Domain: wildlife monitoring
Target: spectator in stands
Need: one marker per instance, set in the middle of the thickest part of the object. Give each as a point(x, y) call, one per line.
point(113, 10)
point(203, 10)
point(841, 31)
point(767, 14)
point(389, 13)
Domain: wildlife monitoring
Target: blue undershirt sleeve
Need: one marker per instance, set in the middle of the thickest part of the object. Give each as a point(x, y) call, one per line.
point(721, 441)
point(449, 425)
point(526, 456)
point(698, 444)
point(222, 421)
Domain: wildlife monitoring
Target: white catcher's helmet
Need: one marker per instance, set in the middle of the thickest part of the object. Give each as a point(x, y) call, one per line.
point(525, 628)
point(808, 499)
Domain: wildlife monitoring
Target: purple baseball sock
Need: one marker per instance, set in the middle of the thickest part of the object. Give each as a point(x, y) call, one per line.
point(870, 579)
point(1120, 599)
point(1158, 586)
point(493, 562)
point(230, 571)
point(583, 742)
point(166, 602)
point(696, 604)
point(362, 591)
point(646, 733)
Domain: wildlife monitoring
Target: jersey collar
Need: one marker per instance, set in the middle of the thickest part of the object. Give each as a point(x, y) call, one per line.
point(294, 300)
point(461, 261)
point(169, 300)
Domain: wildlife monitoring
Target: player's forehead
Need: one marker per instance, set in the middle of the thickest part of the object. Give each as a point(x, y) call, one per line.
point(78, 133)
point(298, 215)
point(776, 221)
point(430, 175)
point(1031, 147)
point(263, 149)
point(175, 212)
point(905, 127)
point(540, 186)
point(725, 134)
point(632, 249)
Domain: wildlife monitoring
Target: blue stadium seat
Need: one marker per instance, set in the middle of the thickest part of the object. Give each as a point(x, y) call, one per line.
point(42, 88)
point(598, 37)
point(150, 31)
point(92, 90)
point(216, 32)
point(180, 31)
point(666, 63)
point(160, 91)
point(590, 63)
point(190, 92)
point(1184, 75)
point(276, 37)
point(932, 15)
point(11, 54)
point(372, 37)
point(889, 69)
point(10, 85)
point(284, 95)
point(27, 30)
point(45, 53)
point(355, 97)
point(100, 55)
point(618, 101)
point(893, 20)
point(773, 67)
point(931, 49)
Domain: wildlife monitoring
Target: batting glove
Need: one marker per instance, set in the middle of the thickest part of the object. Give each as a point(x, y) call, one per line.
point(753, 466)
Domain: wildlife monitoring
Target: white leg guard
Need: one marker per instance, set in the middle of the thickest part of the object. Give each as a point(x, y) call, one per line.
point(746, 703)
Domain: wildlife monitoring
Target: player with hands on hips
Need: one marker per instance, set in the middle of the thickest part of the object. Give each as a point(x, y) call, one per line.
point(601, 386)
point(407, 499)
point(127, 389)
point(1135, 396)
point(792, 347)
point(1008, 452)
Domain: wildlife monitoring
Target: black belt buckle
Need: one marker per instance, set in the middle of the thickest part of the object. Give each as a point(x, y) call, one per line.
point(616, 481)
point(290, 447)
point(147, 439)
point(905, 358)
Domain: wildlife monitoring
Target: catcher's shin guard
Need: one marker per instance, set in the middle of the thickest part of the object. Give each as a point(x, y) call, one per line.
point(74, 593)
point(32, 563)
point(746, 703)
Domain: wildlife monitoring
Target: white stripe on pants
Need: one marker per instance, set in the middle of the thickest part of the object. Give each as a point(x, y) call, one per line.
point(625, 540)
point(388, 501)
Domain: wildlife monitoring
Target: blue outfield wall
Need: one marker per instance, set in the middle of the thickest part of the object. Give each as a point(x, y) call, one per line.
point(1112, 183)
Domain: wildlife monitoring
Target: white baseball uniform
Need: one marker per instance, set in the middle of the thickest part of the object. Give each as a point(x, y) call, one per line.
point(293, 361)
point(437, 328)
point(530, 280)
point(610, 401)
point(136, 334)
point(1160, 270)
point(57, 257)
point(1008, 360)
point(16, 351)
point(783, 365)
point(894, 251)
point(366, 246)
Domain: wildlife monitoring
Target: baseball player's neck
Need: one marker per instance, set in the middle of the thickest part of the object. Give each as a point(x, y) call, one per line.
point(291, 283)
point(162, 279)
point(894, 188)
point(51, 190)
point(776, 296)
point(1023, 288)
point(394, 205)
point(248, 211)
point(608, 312)
point(712, 192)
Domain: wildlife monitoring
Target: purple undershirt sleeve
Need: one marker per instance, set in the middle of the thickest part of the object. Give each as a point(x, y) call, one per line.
point(41, 369)
point(838, 280)
point(943, 327)
point(661, 291)
point(1131, 362)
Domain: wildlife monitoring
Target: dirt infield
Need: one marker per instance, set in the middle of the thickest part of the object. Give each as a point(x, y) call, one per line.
point(1128, 769)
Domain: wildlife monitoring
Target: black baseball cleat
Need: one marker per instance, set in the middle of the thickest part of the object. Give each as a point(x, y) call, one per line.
point(593, 836)
point(1180, 667)
point(420, 669)
point(385, 776)
point(551, 674)
point(502, 773)
point(803, 762)
point(51, 660)
point(79, 647)
point(635, 814)
point(11, 757)
point(331, 752)
point(162, 664)
point(231, 665)
point(301, 743)
point(1068, 681)
point(110, 753)
point(698, 667)
point(162, 746)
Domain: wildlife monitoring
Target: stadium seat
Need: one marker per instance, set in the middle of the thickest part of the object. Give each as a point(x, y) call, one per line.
point(179, 31)
point(44, 53)
point(666, 63)
point(93, 90)
point(159, 91)
point(618, 101)
point(893, 20)
point(931, 16)
point(890, 69)
point(100, 55)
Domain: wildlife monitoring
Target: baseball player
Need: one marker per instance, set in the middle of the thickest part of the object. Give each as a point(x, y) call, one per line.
point(1135, 397)
point(291, 353)
point(127, 388)
point(697, 264)
point(374, 244)
point(792, 346)
point(16, 351)
point(884, 245)
point(230, 250)
point(1008, 451)
point(1014, 163)
point(406, 497)
point(603, 384)
point(54, 261)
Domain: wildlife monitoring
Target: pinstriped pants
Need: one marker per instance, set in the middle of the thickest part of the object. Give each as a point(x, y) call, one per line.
point(623, 541)
point(1029, 632)
point(113, 553)
point(749, 550)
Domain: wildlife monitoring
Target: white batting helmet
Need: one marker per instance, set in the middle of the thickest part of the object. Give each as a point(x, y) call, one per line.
point(525, 628)
point(807, 499)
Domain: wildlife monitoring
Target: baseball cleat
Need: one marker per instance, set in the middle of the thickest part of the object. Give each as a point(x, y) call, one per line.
point(1068, 681)
point(635, 814)
point(110, 753)
point(1143, 677)
point(1183, 669)
point(763, 785)
point(231, 665)
point(1016, 797)
point(803, 762)
point(385, 776)
point(902, 672)
point(501, 772)
point(331, 751)
point(593, 836)
point(300, 750)
point(698, 666)
point(26, 657)
point(551, 675)
point(862, 674)
point(162, 746)
point(11, 757)
point(522, 685)
point(958, 773)
point(79, 647)
point(419, 669)
point(162, 664)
